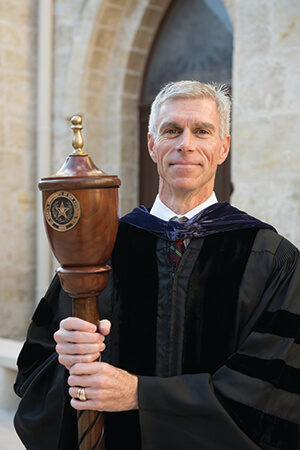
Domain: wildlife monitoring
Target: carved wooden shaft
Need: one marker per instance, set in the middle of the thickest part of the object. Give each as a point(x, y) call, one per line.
point(90, 430)
point(90, 423)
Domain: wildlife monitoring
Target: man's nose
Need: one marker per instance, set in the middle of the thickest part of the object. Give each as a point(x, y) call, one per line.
point(186, 142)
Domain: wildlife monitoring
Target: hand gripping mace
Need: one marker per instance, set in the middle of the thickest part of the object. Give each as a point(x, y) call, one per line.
point(80, 205)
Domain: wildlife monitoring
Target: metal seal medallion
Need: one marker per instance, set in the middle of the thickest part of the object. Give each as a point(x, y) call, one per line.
point(62, 211)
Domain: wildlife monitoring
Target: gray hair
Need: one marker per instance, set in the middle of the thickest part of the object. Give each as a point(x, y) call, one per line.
point(193, 89)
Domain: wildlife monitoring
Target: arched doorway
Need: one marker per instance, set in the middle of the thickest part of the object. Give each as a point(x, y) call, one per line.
point(194, 41)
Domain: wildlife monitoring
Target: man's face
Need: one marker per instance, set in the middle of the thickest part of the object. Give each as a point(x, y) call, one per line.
point(188, 148)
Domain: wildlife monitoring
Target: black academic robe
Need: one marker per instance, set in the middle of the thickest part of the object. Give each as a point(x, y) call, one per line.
point(215, 347)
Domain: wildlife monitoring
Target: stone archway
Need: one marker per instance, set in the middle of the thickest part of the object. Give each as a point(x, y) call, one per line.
point(104, 82)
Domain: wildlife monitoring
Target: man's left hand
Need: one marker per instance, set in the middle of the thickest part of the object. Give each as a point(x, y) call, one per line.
point(107, 388)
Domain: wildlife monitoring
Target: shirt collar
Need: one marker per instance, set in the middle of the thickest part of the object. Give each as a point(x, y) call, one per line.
point(160, 210)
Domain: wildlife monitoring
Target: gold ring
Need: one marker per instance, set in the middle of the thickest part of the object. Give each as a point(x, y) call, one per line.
point(81, 394)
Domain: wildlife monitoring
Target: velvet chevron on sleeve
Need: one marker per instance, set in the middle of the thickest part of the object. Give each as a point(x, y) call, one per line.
point(259, 384)
point(264, 394)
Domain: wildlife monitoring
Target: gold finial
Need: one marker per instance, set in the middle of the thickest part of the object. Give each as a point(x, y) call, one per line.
point(77, 141)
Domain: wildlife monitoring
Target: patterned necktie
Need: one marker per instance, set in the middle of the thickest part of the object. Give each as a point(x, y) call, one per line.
point(177, 248)
point(175, 252)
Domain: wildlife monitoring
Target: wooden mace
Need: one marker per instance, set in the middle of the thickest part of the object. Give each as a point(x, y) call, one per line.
point(80, 204)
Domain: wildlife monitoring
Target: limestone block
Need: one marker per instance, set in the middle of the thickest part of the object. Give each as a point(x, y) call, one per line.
point(18, 13)
point(94, 104)
point(143, 39)
point(252, 31)
point(16, 59)
point(132, 84)
point(151, 17)
point(92, 127)
point(159, 3)
point(20, 135)
point(112, 106)
point(129, 176)
point(119, 2)
point(129, 126)
point(263, 92)
point(259, 144)
point(105, 38)
point(8, 178)
point(100, 60)
point(286, 27)
point(17, 91)
point(128, 150)
point(127, 205)
point(119, 59)
point(110, 127)
point(129, 105)
point(274, 201)
point(9, 37)
point(111, 16)
point(136, 61)
point(110, 152)
point(96, 82)
point(17, 299)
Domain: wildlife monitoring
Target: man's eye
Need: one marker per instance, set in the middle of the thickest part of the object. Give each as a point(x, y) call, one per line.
point(202, 131)
point(171, 131)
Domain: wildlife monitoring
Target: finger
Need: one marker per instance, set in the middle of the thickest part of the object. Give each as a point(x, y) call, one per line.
point(104, 327)
point(90, 393)
point(94, 399)
point(73, 392)
point(94, 368)
point(71, 348)
point(79, 405)
point(78, 337)
point(70, 360)
point(74, 323)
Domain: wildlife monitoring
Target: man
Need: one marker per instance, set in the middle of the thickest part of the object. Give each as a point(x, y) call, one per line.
point(204, 351)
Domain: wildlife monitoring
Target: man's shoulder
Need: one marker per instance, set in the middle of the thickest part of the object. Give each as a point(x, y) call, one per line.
point(267, 241)
point(267, 237)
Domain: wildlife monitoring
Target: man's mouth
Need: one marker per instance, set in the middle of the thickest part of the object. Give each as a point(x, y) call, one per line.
point(185, 164)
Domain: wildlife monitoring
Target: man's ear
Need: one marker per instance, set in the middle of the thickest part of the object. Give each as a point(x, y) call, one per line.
point(151, 148)
point(224, 149)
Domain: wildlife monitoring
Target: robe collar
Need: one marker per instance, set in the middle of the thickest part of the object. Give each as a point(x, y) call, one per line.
point(217, 218)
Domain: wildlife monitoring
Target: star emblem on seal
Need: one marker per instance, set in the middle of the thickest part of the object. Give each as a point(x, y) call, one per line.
point(62, 211)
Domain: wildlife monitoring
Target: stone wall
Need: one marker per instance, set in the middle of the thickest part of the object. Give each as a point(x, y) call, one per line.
point(266, 112)
point(18, 50)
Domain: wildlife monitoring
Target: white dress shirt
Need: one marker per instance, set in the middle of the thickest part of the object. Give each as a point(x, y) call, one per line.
point(160, 210)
